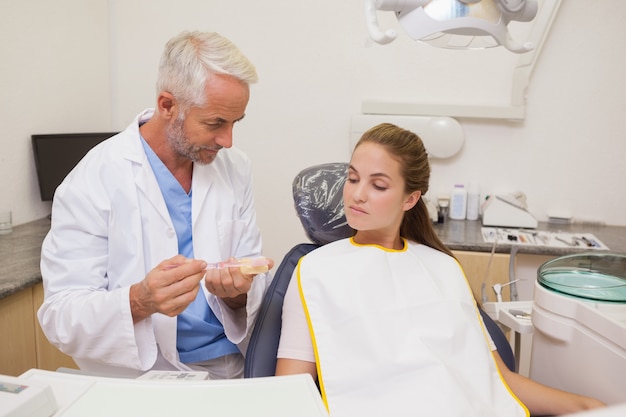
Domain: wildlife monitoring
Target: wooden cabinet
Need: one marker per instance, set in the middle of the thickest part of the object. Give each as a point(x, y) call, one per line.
point(17, 332)
point(481, 267)
point(23, 345)
point(484, 267)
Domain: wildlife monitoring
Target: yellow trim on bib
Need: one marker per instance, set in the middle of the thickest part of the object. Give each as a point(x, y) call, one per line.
point(313, 341)
point(404, 249)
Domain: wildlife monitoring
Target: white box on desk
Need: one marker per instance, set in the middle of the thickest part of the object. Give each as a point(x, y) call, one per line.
point(22, 398)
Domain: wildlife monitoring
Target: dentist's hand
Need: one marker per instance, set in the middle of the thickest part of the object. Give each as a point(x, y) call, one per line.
point(230, 284)
point(168, 289)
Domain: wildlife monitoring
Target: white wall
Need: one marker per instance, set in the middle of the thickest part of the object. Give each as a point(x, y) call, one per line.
point(54, 78)
point(316, 65)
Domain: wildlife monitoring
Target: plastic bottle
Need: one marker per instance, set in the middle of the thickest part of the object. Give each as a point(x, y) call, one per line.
point(473, 201)
point(458, 202)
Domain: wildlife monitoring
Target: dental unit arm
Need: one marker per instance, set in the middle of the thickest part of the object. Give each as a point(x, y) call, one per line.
point(423, 20)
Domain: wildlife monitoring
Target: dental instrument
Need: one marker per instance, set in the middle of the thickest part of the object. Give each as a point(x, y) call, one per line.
point(497, 288)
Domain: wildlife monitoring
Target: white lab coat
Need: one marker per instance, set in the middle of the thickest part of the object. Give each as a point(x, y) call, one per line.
point(110, 227)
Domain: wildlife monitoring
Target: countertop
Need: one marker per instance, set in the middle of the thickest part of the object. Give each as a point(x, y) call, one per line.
point(20, 250)
point(465, 235)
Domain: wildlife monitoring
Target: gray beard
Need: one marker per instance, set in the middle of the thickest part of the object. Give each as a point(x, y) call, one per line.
point(181, 145)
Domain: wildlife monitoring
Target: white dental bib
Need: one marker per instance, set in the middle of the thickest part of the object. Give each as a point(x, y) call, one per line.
point(397, 333)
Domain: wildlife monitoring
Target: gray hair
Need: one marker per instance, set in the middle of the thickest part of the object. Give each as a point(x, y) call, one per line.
point(190, 58)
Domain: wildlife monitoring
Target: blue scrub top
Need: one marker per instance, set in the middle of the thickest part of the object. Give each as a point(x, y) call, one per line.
point(200, 335)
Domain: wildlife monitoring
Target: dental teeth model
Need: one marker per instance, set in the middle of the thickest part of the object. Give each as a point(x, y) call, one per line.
point(247, 266)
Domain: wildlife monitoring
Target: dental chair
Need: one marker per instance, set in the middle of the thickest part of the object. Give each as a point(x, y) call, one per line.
point(318, 200)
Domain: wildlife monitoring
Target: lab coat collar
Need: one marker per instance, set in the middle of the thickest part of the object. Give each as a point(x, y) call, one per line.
point(133, 151)
point(203, 175)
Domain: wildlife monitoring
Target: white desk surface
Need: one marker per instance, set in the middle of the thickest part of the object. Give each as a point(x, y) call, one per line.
point(286, 396)
point(82, 395)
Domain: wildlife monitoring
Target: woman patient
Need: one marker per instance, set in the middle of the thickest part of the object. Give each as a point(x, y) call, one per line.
point(385, 320)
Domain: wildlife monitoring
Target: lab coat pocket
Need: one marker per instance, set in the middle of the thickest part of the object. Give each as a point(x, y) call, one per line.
point(230, 235)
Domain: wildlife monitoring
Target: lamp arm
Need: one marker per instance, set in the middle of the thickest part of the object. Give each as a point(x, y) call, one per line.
point(375, 32)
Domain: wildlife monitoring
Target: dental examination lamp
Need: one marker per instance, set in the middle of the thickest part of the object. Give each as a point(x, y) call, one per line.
point(457, 24)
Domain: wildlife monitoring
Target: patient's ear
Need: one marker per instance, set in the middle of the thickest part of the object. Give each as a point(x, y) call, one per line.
point(411, 200)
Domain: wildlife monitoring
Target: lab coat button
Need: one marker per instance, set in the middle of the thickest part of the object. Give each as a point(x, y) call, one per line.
point(171, 233)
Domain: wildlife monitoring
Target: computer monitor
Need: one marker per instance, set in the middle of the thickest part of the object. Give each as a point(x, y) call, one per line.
point(57, 154)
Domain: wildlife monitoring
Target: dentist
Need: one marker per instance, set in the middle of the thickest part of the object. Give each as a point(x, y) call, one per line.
point(137, 220)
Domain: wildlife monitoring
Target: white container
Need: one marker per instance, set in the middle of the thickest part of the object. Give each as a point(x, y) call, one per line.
point(473, 201)
point(579, 343)
point(458, 202)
